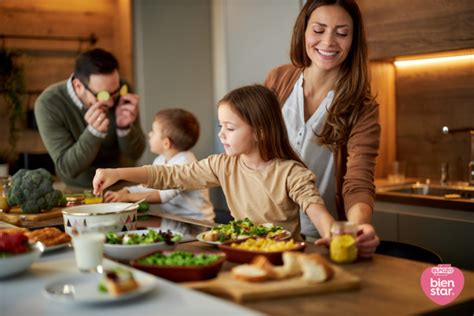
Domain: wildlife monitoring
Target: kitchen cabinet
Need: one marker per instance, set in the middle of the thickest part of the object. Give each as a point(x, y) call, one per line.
point(407, 27)
point(449, 233)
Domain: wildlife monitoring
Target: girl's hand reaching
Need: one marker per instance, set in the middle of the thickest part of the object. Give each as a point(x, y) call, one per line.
point(104, 178)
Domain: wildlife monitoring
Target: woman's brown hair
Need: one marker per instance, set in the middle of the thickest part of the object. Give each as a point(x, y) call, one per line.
point(258, 106)
point(352, 90)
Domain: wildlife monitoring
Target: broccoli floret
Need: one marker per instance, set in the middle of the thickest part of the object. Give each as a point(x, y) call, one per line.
point(33, 191)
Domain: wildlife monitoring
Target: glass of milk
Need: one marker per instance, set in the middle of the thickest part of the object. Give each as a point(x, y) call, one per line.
point(89, 251)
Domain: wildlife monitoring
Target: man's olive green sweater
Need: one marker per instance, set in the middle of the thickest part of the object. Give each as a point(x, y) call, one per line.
point(75, 151)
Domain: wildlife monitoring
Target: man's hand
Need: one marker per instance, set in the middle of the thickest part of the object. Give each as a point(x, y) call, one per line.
point(104, 178)
point(96, 116)
point(126, 111)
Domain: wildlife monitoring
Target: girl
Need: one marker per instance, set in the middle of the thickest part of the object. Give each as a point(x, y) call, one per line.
point(261, 176)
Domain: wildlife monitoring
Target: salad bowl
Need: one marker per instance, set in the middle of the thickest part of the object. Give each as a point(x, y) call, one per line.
point(133, 244)
point(15, 264)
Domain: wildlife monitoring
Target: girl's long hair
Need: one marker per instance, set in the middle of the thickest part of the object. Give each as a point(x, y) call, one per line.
point(352, 90)
point(258, 106)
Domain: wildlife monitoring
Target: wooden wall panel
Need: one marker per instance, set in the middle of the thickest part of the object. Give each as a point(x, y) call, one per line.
point(429, 97)
point(383, 86)
point(407, 27)
point(47, 62)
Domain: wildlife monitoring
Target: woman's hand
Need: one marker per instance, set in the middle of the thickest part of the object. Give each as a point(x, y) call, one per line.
point(367, 240)
point(104, 178)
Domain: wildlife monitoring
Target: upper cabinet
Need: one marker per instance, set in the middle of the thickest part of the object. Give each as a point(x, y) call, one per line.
point(409, 27)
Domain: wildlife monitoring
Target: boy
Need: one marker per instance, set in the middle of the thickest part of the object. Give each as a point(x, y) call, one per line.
point(174, 132)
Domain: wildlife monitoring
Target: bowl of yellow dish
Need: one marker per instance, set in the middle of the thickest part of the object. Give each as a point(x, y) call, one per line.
point(244, 251)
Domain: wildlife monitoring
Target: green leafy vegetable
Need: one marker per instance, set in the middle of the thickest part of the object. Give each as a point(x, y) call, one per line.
point(180, 258)
point(244, 227)
point(152, 236)
point(33, 191)
point(143, 206)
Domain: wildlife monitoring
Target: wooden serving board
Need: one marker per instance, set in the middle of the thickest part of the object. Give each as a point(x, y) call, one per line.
point(241, 291)
point(16, 216)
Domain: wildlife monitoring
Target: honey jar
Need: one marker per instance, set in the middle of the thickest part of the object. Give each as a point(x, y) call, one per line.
point(4, 186)
point(343, 245)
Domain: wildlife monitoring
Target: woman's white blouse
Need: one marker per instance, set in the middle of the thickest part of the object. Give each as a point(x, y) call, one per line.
point(317, 158)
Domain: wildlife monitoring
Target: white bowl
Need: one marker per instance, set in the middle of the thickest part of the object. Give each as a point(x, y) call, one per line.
point(130, 252)
point(16, 264)
point(104, 217)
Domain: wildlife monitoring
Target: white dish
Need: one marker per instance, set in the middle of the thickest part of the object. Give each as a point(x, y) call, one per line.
point(201, 239)
point(130, 252)
point(103, 217)
point(16, 264)
point(83, 288)
point(57, 247)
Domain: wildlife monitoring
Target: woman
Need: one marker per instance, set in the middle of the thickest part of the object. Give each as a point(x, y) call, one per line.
point(330, 114)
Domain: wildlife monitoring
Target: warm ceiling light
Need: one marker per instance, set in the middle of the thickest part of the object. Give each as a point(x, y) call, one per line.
point(412, 62)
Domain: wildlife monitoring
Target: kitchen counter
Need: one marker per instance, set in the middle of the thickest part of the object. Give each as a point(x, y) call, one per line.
point(402, 193)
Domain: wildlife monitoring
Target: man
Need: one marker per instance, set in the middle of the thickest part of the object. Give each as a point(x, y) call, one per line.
point(90, 121)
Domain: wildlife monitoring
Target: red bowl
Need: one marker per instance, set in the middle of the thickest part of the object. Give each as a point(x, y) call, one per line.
point(182, 273)
point(246, 256)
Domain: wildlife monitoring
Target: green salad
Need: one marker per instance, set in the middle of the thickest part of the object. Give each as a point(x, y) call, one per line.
point(150, 237)
point(237, 229)
point(180, 258)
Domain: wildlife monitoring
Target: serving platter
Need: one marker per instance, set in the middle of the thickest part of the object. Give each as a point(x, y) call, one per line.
point(57, 247)
point(225, 285)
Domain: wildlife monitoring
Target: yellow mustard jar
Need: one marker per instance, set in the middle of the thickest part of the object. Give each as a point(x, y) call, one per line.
point(343, 244)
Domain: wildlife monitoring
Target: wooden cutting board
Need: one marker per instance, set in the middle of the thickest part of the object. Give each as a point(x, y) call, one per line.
point(241, 291)
point(18, 218)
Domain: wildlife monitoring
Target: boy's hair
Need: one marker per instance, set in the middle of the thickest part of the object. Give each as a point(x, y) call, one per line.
point(95, 61)
point(180, 126)
point(258, 106)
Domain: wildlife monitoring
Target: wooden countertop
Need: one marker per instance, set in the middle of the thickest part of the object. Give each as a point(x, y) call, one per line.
point(390, 286)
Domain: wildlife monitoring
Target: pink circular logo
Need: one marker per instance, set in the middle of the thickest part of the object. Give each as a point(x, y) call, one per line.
point(442, 284)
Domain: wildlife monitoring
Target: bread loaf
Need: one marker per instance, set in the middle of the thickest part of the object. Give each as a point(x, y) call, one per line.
point(315, 268)
point(249, 273)
point(291, 265)
point(263, 263)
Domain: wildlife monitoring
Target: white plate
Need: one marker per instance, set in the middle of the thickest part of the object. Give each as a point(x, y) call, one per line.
point(200, 238)
point(57, 247)
point(130, 252)
point(83, 288)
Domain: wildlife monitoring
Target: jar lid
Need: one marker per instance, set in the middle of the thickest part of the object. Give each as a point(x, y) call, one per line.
point(343, 227)
point(75, 198)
